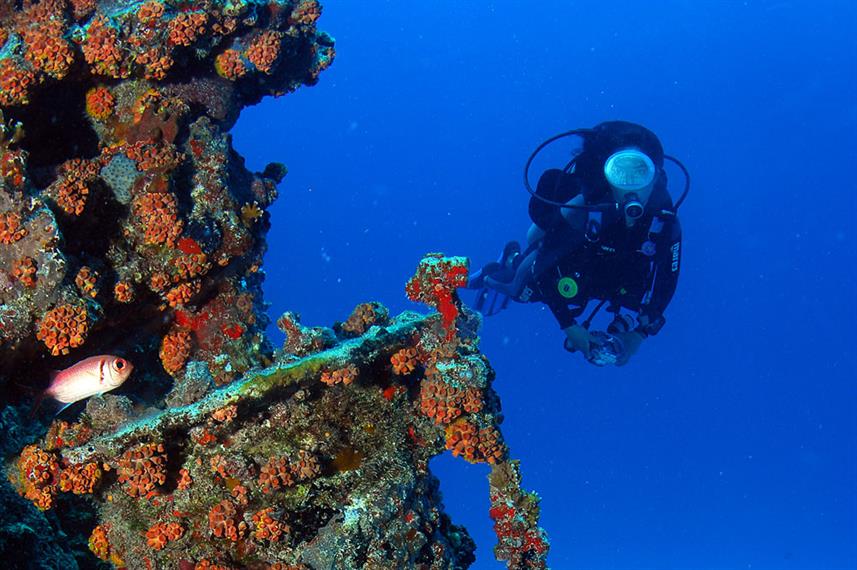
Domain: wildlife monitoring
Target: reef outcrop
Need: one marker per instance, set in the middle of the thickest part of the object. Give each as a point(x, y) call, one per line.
point(123, 203)
point(130, 226)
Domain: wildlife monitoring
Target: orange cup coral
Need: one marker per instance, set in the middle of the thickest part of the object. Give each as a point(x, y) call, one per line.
point(230, 65)
point(98, 543)
point(275, 474)
point(175, 350)
point(25, 271)
point(224, 521)
point(86, 281)
point(99, 103)
point(10, 227)
point(63, 327)
point(264, 50)
point(404, 361)
point(162, 533)
point(344, 375)
point(142, 469)
point(123, 292)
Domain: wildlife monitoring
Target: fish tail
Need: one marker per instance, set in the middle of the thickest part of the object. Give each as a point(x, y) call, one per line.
point(37, 404)
point(41, 402)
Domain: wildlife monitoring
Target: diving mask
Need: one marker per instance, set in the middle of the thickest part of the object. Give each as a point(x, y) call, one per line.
point(631, 175)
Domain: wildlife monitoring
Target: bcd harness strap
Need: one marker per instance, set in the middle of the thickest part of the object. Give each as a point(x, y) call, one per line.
point(649, 249)
point(592, 231)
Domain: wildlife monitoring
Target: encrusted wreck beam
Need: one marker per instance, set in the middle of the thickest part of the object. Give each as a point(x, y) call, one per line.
point(255, 386)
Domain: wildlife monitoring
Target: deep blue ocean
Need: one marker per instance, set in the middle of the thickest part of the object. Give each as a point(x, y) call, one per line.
point(730, 440)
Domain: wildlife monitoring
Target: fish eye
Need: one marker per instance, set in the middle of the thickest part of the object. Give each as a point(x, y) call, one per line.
point(120, 364)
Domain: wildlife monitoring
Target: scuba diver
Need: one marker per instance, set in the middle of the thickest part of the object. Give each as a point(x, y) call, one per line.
point(604, 229)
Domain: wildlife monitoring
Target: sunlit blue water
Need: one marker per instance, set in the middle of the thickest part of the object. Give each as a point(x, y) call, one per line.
point(729, 441)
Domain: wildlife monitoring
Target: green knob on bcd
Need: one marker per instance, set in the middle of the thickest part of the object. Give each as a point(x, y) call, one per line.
point(567, 287)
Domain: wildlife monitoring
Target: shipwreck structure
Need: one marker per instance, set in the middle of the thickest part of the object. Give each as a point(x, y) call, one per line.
point(130, 226)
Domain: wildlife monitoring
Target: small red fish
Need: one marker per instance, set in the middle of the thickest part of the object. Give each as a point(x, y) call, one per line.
point(90, 376)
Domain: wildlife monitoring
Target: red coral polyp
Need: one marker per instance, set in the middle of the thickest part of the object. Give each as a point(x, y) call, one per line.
point(150, 13)
point(80, 479)
point(86, 281)
point(72, 188)
point(434, 284)
point(404, 361)
point(306, 12)
point(98, 542)
point(123, 292)
point(182, 293)
point(345, 375)
point(444, 403)
point(47, 50)
point(13, 168)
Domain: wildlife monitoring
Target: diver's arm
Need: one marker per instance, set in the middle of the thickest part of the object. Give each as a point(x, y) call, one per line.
point(664, 280)
point(576, 338)
point(563, 314)
point(534, 234)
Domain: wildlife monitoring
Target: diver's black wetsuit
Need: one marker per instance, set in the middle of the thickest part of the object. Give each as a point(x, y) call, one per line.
point(615, 263)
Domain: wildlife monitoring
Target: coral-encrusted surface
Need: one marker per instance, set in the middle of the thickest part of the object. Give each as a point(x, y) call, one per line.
point(282, 467)
point(129, 226)
point(288, 466)
point(317, 461)
point(122, 202)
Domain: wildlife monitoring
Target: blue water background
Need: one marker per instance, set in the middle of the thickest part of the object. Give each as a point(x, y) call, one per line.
point(729, 441)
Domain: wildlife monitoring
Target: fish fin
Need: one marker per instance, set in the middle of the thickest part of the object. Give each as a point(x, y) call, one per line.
point(62, 409)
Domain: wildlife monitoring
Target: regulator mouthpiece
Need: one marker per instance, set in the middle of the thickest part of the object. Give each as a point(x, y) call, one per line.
point(631, 175)
point(633, 208)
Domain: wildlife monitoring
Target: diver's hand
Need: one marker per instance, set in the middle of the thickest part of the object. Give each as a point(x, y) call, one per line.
point(578, 338)
point(631, 342)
